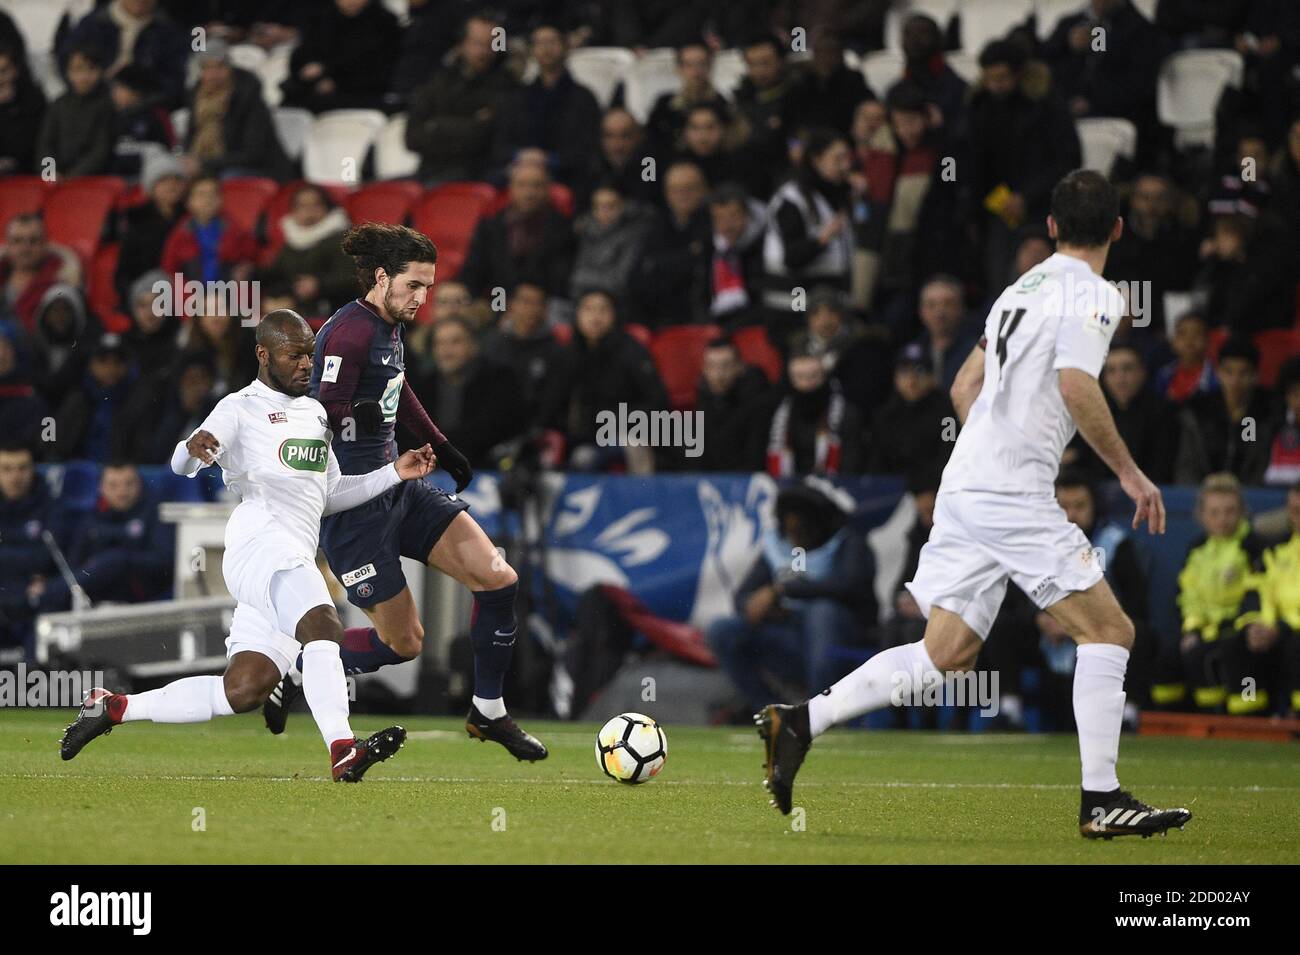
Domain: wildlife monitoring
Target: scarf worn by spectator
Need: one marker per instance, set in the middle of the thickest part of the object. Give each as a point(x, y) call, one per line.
point(210, 109)
point(826, 458)
point(130, 27)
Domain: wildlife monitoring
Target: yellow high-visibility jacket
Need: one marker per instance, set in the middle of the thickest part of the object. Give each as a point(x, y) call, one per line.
point(1215, 579)
point(1277, 587)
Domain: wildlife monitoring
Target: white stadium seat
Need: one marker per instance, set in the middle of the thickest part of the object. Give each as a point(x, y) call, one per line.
point(45, 73)
point(965, 63)
point(392, 159)
point(1188, 91)
point(1178, 304)
point(292, 125)
point(180, 124)
point(882, 68)
point(728, 71)
point(941, 11)
point(1103, 139)
point(983, 21)
point(273, 72)
point(338, 143)
point(1048, 13)
point(247, 56)
point(653, 74)
point(601, 69)
point(37, 21)
point(1147, 8)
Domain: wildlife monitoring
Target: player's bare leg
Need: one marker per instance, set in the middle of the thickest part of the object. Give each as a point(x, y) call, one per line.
point(949, 645)
point(466, 554)
point(1104, 633)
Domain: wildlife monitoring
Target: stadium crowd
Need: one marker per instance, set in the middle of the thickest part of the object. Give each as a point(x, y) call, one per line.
point(805, 257)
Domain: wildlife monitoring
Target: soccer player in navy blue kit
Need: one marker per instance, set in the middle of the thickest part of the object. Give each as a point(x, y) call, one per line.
point(359, 376)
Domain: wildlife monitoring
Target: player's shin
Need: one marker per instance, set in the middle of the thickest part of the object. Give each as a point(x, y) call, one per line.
point(872, 686)
point(1099, 711)
point(326, 688)
point(195, 699)
point(492, 635)
point(363, 651)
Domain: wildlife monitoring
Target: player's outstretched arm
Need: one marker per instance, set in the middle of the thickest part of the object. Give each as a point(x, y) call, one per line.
point(1087, 405)
point(346, 491)
point(966, 386)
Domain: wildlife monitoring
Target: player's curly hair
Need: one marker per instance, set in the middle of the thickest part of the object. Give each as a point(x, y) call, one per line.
point(382, 245)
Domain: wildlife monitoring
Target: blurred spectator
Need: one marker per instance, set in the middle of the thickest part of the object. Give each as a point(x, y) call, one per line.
point(175, 402)
point(1212, 586)
point(22, 104)
point(914, 431)
point(1243, 187)
point(226, 342)
point(1192, 371)
point(1249, 275)
point(829, 332)
point(64, 336)
point(1284, 454)
point(1286, 182)
point(764, 100)
point(653, 23)
point(135, 32)
point(813, 430)
point(431, 34)
point(29, 265)
point(944, 332)
point(927, 69)
point(26, 511)
point(670, 274)
point(611, 238)
point(808, 596)
point(525, 345)
point(733, 292)
point(668, 116)
point(622, 159)
point(828, 91)
point(205, 245)
point(810, 235)
point(121, 551)
point(145, 227)
point(22, 409)
point(311, 262)
point(1111, 73)
point(1229, 430)
point(230, 132)
point(703, 142)
point(734, 400)
point(475, 401)
point(553, 113)
point(451, 299)
point(89, 420)
point(1145, 419)
point(602, 368)
point(1023, 142)
point(1156, 248)
point(452, 114)
point(1268, 648)
point(346, 57)
point(77, 133)
point(140, 126)
point(1269, 42)
point(1201, 23)
point(153, 339)
point(529, 238)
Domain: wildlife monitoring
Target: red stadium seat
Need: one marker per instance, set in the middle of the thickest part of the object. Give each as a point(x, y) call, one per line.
point(639, 332)
point(243, 199)
point(101, 290)
point(75, 214)
point(383, 202)
point(561, 198)
point(20, 195)
point(563, 333)
point(756, 349)
point(1276, 347)
point(1217, 337)
point(679, 355)
point(447, 214)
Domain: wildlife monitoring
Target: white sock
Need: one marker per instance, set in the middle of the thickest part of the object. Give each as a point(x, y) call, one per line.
point(1099, 711)
point(195, 699)
point(871, 686)
point(492, 709)
point(326, 689)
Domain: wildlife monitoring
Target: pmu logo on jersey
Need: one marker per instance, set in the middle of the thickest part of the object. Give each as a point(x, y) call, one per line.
point(304, 454)
point(74, 908)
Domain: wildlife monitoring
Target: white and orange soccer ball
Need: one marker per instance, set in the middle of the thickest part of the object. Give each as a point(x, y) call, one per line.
point(631, 748)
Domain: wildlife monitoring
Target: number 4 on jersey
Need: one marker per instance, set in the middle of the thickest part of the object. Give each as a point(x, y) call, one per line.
point(1006, 328)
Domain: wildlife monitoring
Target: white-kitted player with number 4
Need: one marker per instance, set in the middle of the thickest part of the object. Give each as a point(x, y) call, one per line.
point(1021, 395)
point(273, 442)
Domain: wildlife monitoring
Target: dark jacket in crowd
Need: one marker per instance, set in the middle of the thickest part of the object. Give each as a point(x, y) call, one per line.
point(22, 407)
point(909, 436)
point(20, 125)
point(667, 285)
point(828, 103)
point(252, 144)
point(22, 552)
point(78, 133)
point(534, 362)
point(358, 53)
point(477, 413)
point(91, 423)
point(618, 369)
point(735, 422)
point(162, 48)
point(63, 346)
point(136, 131)
point(563, 120)
point(451, 119)
point(542, 254)
point(1149, 427)
point(144, 231)
point(1210, 441)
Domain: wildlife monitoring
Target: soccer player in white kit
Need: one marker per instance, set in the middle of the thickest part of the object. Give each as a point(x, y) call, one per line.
point(1021, 395)
point(273, 442)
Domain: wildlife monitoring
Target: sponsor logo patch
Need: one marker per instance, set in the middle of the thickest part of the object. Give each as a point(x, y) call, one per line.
point(304, 454)
point(278, 417)
point(361, 573)
point(365, 590)
point(330, 370)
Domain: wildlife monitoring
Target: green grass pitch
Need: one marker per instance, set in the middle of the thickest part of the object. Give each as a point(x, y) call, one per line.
point(866, 796)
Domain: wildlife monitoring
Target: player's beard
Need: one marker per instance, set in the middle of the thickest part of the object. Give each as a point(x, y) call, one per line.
point(288, 387)
point(395, 311)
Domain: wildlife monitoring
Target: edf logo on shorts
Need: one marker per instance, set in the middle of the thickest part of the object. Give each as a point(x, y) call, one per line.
point(361, 573)
point(304, 454)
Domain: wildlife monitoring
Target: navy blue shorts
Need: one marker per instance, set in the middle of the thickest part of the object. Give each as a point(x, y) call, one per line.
point(364, 546)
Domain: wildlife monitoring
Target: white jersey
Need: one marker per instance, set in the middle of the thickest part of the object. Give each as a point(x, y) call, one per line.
point(1059, 314)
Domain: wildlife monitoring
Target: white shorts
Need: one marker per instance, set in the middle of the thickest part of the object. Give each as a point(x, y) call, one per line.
point(981, 539)
point(269, 631)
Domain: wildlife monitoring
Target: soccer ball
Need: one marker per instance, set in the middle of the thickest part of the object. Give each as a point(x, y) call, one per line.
point(631, 748)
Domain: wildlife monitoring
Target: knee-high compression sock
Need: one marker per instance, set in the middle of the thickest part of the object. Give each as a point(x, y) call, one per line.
point(326, 689)
point(871, 686)
point(492, 635)
point(363, 652)
point(195, 699)
point(1099, 711)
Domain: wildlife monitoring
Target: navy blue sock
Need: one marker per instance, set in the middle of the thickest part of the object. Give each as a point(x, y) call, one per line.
point(363, 652)
point(492, 635)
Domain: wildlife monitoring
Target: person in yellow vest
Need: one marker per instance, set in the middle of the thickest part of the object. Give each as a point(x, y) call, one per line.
point(1212, 586)
point(1267, 654)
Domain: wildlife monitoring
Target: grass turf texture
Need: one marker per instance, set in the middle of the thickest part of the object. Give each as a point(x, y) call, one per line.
point(868, 797)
